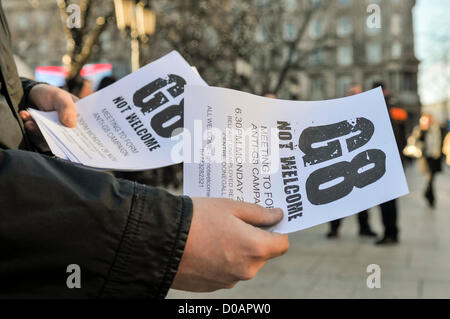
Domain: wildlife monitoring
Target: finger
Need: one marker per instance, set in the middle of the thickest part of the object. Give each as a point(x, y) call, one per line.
point(257, 215)
point(35, 135)
point(66, 109)
point(31, 127)
point(25, 116)
point(280, 244)
point(272, 244)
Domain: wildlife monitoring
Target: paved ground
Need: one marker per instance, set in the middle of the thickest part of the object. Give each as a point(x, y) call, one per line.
point(314, 267)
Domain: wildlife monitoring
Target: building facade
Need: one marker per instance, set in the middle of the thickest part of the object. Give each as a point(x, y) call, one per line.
point(358, 42)
point(348, 42)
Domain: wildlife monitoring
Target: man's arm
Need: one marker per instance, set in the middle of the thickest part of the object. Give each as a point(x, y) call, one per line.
point(127, 238)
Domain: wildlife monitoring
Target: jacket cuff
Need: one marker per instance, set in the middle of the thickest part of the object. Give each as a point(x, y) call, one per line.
point(27, 85)
point(152, 245)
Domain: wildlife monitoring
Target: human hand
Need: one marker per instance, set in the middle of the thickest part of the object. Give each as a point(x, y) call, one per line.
point(49, 98)
point(225, 244)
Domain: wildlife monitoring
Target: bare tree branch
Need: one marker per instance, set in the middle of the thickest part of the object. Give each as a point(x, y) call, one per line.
point(62, 5)
point(293, 46)
point(80, 41)
point(91, 39)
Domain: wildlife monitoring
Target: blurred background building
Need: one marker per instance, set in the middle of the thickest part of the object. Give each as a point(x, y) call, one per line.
point(345, 51)
point(296, 49)
point(38, 35)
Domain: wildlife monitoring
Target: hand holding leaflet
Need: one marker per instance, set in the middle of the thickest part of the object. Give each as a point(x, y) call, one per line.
point(127, 125)
point(318, 160)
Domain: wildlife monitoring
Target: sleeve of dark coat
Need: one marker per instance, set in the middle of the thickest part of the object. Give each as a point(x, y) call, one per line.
point(27, 85)
point(126, 238)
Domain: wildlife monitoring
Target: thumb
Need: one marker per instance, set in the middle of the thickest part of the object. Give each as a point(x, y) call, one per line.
point(258, 216)
point(67, 111)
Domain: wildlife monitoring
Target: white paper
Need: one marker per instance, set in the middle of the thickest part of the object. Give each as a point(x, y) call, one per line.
point(349, 137)
point(129, 124)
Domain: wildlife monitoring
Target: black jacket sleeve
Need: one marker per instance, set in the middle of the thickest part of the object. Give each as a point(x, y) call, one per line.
point(126, 238)
point(27, 85)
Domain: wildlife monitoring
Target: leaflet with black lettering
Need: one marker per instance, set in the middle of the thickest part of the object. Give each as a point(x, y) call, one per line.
point(317, 160)
point(128, 125)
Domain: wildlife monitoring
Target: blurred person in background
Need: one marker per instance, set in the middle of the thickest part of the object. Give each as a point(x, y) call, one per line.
point(363, 217)
point(426, 138)
point(389, 211)
point(446, 148)
point(106, 81)
point(79, 86)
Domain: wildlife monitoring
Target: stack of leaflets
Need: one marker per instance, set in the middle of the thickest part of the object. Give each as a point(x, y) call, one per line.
point(129, 125)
